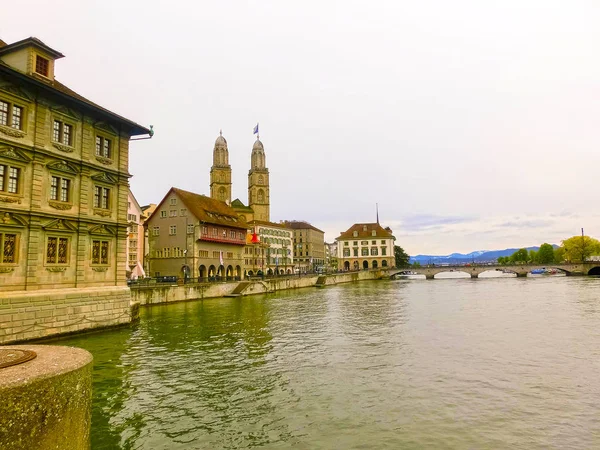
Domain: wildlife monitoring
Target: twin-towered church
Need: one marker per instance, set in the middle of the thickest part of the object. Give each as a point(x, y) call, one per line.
point(258, 182)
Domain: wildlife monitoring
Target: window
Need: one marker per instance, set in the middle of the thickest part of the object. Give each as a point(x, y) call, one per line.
point(204, 230)
point(373, 242)
point(59, 189)
point(133, 243)
point(203, 253)
point(155, 231)
point(8, 243)
point(355, 234)
point(172, 230)
point(173, 201)
point(374, 251)
point(365, 252)
point(373, 233)
point(346, 252)
point(41, 65)
point(216, 254)
point(383, 251)
point(167, 252)
point(183, 212)
point(132, 217)
point(364, 242)
point(11, 115)
point(190, 229)
point(214, 231)
point(57, 250)
point(163, 214)
point(99, 252)
point(230, 255)
point(103, 147)
point(173, 213)
point(355, 243)
point(232, 234)
point(346, 244)
point(382, 242)
point(355, 252)
point(9, 179)
point(63, 133)
point(101, 197)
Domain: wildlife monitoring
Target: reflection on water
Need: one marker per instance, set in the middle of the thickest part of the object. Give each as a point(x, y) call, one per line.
point(462, 363)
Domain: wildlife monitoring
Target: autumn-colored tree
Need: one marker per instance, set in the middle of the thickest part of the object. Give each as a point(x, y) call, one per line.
point(579, 248)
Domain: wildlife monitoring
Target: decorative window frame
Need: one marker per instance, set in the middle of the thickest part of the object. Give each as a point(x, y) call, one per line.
point(22, 101)
point(106, 131)
point(65, 120)
point(101, 233)
point(103, 180)
point(66, 171)
point(15, 158)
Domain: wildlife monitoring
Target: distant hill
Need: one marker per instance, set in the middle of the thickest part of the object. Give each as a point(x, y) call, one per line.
point(461, 258)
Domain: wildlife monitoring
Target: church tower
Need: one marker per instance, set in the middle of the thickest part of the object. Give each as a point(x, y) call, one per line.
point(258, 183)
point(220, 172)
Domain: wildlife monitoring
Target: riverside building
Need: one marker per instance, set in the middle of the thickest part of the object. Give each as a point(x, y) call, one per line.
point(308, 245)
point(365, 246)
point(63, 200)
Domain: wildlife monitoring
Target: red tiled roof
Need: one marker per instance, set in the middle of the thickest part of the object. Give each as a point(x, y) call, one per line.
point(209, 210)
point(364, 231)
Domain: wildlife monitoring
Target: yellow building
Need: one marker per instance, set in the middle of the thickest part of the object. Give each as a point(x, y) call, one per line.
point(63, 178)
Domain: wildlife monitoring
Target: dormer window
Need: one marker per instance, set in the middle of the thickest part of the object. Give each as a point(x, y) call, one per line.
point(355, 234)
point(42, 65)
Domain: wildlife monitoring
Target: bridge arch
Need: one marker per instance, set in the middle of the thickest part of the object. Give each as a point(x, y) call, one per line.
point(452, 270)
point(594, 271)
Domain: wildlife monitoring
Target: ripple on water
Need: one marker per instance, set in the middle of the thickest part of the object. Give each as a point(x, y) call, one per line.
point(494, 363)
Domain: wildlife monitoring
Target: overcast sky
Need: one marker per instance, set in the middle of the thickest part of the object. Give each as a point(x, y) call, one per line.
point(474, 124)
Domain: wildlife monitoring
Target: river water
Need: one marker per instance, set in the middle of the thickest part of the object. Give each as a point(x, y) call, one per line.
point(461, 363)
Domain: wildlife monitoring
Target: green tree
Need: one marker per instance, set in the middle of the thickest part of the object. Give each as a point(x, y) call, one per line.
point(520, 256)
point(533, 256)
point(545, 254)
point(579, 248)
point(559, 255)
point(503, 260)
point(416, 264)
point(402, 258)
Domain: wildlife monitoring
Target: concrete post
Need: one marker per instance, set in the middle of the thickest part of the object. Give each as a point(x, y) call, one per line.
point(47, 401)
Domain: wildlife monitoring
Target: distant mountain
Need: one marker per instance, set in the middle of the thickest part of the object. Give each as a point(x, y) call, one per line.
point(460, 258)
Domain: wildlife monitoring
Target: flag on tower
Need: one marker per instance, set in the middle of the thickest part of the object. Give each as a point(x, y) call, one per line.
point(256, 129)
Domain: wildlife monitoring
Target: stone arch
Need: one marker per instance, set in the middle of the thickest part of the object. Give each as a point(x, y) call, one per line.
point(212, 271)
point(238, 272)
point(202, 271)
point(384, 263)
point(346, 265)
point(355, 266)
point(374, 264)
point(229, 272)
point(365, 264)
point(289, 271)
point(221, 271)
point(269, 272)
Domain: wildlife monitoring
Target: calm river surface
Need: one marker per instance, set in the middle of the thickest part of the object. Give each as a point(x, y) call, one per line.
point(461, 363)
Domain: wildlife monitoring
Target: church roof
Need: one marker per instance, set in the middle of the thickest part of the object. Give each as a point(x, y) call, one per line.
point(239, 206)
point(365, 230)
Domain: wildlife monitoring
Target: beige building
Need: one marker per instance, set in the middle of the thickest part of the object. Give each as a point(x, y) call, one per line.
point(365, 246)
point(194, 236)
point(63, 178)
point(277, 240)
point(135, 239)
point(309, 245)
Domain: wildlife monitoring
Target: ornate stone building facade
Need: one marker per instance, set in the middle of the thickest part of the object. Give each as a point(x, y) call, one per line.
point(309, 245)
point(63, 178)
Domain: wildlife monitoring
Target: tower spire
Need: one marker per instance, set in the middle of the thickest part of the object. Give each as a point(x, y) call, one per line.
point(377, 209)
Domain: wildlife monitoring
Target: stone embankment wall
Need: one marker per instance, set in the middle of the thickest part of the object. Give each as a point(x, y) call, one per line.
point(26, 315)
point(153, 295)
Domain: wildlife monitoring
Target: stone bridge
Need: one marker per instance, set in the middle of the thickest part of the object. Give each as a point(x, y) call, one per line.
point(587, 268)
